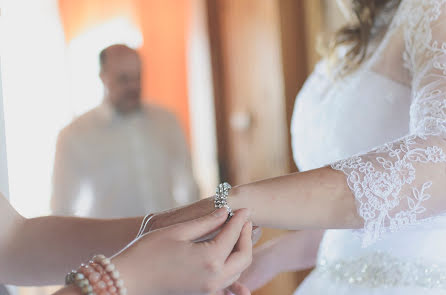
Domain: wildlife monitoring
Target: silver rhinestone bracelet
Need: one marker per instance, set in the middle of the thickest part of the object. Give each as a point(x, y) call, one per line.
point(221, 198)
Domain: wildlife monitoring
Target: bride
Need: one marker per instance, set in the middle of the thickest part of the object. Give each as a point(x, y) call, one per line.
point(375, 108)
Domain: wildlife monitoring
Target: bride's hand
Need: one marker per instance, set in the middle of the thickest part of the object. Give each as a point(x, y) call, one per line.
point(189, 212)
point(181, 214)
point(166, 261)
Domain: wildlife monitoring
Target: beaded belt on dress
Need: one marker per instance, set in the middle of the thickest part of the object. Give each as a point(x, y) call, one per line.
point(383, 270)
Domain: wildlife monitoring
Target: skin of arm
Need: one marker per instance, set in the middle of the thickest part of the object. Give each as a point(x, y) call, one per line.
point(315, 199)
point(148, 265)
point(39, 251)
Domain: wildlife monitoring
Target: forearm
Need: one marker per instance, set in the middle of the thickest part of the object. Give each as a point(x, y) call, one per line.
point(43, 249)
point(317, 199)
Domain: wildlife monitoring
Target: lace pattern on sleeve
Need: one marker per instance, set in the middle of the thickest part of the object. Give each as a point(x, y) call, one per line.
point(403, 183)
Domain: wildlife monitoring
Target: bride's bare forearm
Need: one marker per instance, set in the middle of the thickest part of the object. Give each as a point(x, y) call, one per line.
point(317, 199)
point(44, 249)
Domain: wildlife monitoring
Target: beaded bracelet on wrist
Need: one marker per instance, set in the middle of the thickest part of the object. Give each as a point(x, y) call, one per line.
point(98, 277)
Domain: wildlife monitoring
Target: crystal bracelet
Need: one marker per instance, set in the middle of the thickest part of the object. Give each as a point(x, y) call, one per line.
point(221, 198)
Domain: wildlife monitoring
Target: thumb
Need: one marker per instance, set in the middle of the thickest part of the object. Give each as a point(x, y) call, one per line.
point(197, 228)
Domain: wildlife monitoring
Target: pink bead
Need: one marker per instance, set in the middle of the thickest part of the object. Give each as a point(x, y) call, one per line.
point(101, 285)
point(104, 293)
point(87, 270)
point(112, 289)
point(119, 283)
point(94, 277)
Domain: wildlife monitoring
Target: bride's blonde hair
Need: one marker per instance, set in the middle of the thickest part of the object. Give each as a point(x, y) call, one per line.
point(357, 34)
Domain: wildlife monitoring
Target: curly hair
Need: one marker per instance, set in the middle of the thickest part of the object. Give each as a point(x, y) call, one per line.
point(358, 34)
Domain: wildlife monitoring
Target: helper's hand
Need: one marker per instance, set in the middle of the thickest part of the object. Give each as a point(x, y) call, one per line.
point(167, 261)
point(186, 213)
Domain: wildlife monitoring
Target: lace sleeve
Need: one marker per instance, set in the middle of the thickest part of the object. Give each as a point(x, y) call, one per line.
point(403, 183)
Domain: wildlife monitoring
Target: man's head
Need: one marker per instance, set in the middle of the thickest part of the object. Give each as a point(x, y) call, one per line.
point(120, 72)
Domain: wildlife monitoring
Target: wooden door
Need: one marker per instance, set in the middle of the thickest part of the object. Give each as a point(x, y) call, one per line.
point(259, 58)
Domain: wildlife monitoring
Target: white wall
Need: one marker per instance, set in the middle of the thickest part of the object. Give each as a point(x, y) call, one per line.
point(34, 98)
point(201, 102)
point(45, 85)
point(4, 187)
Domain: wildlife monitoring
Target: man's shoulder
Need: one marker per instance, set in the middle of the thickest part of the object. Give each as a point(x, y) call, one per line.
point(83, 123)
point(160, 114)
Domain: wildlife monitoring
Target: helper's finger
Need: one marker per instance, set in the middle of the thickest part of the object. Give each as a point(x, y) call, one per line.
point(194, 229)
point(230, 233)
point(241, 257)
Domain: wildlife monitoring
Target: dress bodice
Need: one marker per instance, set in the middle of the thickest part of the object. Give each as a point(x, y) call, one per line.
point(335, 120)
point(385, 125)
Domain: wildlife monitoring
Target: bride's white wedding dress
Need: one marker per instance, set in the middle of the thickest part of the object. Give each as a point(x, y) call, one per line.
point(385, 124)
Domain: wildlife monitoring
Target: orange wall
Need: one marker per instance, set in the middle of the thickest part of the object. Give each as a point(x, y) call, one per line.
point(164, 27)
point(78, 16)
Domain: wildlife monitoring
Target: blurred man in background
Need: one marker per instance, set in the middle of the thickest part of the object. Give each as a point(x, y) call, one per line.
point(123, 158)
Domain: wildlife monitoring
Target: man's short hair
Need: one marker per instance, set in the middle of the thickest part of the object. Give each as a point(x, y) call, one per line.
point(103, 54)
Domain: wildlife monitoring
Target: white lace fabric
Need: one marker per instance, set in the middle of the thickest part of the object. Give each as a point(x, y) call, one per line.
point(403, 182)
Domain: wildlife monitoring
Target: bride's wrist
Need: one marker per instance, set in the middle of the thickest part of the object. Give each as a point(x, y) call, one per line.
point(235, 199)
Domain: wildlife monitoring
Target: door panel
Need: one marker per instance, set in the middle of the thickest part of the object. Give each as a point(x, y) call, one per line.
point(259, 59)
